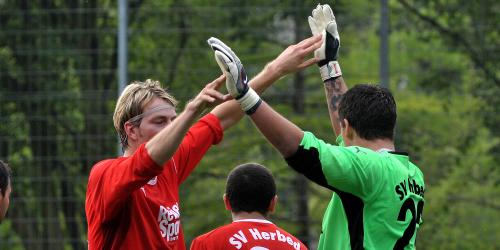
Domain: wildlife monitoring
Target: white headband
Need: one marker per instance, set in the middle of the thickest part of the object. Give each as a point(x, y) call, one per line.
point(153, 110)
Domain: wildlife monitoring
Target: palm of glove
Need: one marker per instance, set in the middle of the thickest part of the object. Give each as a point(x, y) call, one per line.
point(231, 66)
point(323, 22)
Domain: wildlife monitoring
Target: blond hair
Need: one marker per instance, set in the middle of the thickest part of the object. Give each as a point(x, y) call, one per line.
point(132, 102)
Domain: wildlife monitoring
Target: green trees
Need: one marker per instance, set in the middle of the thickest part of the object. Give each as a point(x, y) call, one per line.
point(58, 88)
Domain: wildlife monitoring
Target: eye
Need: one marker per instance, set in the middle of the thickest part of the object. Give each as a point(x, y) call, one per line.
point(160, 121)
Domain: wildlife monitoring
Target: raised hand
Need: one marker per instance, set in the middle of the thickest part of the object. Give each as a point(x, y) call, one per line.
point(294, 58)
point(236, 77)
point(323, 22)
point(209, 96)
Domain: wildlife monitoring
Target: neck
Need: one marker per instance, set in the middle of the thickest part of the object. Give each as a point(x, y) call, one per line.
point(374, 145)
point(129, 151)
point(245, 215)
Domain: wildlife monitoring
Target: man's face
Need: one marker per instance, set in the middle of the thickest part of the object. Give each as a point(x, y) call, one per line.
point(4, 202)
point(152, 123)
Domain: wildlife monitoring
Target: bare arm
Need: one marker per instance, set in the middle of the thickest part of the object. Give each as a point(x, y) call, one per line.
point(334, 89)
point(323, 22)
point(163, 145)
point(280, 132)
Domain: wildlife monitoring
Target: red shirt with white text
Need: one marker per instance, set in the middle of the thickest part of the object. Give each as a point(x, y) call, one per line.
point(249, 234)
point(132, 203)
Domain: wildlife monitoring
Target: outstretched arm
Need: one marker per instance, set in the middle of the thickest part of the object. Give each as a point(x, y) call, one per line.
point(323, 22)
point(163, 145)
point(281, 133)
point(334, 89)
point(292, 59)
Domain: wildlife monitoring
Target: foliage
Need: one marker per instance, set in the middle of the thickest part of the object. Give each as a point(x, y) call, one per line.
point(58, 88)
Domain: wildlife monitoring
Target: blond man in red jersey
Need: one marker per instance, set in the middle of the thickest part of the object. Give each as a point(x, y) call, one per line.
point(132, 201)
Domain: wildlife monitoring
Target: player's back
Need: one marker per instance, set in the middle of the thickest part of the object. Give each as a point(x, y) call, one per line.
point(395, 210)
point(387, 212)
point(250, 234)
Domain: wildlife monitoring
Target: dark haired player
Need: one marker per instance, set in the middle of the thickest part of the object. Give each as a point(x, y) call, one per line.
point(378, 194)
point(250, 196)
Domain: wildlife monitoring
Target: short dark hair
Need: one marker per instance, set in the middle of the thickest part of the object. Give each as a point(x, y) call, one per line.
point(370, 110)
point(5, 173)
point(250, 187)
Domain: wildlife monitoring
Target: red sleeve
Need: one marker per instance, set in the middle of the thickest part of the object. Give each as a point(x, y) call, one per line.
point(112, 182)
point(205, 133)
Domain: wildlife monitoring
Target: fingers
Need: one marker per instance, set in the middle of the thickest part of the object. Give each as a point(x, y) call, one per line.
point(209, 96)
point(228, 97)
point(222, 60)
point(215, 98)
point(316, 11)
point(213, 94)
point(309, 41)
point(211, 90)
point(328, 13)
point(219, 81)
point(313, 25)
point(215, 84)
point(219, 46)
point(312, 47)
point(308, 63)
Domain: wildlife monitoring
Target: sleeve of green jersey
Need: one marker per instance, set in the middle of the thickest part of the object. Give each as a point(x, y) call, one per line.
point(345, 168)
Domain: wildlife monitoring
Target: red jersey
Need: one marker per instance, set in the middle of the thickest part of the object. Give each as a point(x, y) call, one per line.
point(132, 203)
point(250, 234)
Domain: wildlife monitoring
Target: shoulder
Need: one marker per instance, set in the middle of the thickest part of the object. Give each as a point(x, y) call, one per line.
point(209, 238)
point(101, 166)
point(217, 232)
point(418, 171)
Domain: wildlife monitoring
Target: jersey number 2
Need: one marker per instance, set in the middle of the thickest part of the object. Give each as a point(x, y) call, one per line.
point(415, 218)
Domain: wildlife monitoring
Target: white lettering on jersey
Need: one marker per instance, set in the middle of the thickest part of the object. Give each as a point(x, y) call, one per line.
point(238, 239)
point(169, 223)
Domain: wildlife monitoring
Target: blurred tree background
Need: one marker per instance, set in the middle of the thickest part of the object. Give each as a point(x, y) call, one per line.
point(58, 87)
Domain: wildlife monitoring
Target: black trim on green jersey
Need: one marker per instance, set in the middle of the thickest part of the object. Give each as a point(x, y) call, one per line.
point(307, 162)
point(399, 153)
point(353, 208)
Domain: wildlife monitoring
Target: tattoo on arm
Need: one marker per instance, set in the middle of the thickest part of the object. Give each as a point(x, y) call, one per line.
point(334, 102)
point(334, 92)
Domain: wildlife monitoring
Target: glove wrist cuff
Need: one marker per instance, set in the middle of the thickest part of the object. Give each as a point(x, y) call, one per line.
point(250, 101)
point(330, 70)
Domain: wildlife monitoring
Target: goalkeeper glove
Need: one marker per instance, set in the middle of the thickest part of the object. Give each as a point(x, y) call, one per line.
point(323, 22)
point(236, 78)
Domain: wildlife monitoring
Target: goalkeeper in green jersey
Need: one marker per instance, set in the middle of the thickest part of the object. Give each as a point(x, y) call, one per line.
point(377, 192)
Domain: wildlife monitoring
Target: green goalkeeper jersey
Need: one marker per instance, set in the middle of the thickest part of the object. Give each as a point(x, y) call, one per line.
point(378, 196)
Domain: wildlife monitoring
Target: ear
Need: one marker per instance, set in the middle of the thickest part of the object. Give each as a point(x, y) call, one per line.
point(226, 203)
point(131, 131)
point(343, 123)
point(272, 204)
point(348, 129)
